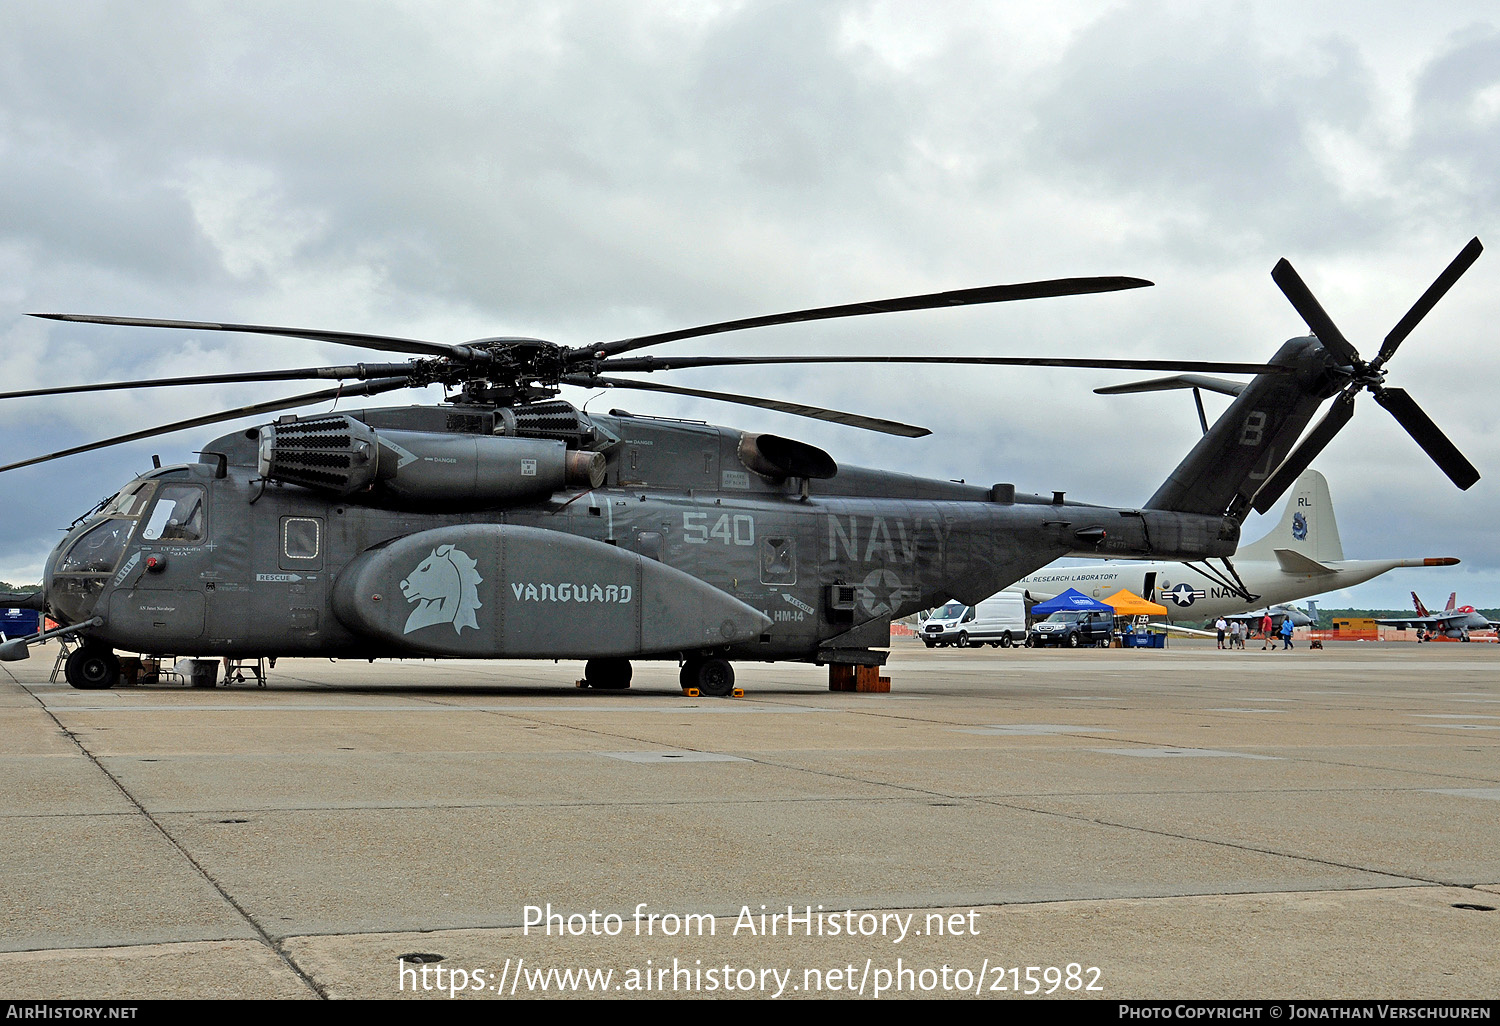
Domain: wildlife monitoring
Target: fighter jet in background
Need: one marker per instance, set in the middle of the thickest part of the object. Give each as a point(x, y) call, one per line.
point(1450, 623)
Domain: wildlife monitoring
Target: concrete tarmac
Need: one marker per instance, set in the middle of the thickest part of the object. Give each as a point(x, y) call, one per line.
point(1113, 824)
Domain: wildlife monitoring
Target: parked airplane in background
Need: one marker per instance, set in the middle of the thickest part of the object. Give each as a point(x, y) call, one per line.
point(1450, 623)
point(1301, 557)
point(1299, 617)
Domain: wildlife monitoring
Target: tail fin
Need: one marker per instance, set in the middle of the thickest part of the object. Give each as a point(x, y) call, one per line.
point(1252, 437)
point(1452, 597)
point(1307, 526)
point(1421, 609)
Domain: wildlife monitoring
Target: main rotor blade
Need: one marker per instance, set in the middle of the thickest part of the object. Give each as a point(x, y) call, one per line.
point(656, 363)
point(362, 371)
point(1426, 434)
point(889, 427)
point(345, 338)
point(1435, 292)
point(1316, 441)
point(368, 388)
point(960, 297)
point(1312, 312)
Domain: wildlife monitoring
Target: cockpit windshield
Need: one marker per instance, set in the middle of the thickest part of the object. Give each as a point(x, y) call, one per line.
point(99, 549)
point(130, 500)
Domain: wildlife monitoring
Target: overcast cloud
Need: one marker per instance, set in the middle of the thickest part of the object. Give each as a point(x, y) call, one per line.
point(584, 171)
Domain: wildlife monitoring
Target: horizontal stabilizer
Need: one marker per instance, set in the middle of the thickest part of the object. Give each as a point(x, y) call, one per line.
point(1221, 385)
point(1293, 562)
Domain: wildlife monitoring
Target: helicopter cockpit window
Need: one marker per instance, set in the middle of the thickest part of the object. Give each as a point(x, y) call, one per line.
point(178, 515)
point(98, 550)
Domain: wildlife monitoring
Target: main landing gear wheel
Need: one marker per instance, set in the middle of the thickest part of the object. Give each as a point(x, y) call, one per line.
point(92, 668)
point(611, 674)
point(712, 677)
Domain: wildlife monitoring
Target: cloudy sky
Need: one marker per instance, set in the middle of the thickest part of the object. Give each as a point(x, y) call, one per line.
point(590, 171)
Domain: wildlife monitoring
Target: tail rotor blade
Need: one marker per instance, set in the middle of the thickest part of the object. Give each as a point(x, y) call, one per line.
point(1427, 434)
point(1317, 440)
point(1301, 297)
point(1420, 309)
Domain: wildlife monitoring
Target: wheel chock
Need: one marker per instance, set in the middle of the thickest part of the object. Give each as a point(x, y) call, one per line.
point(842, 677)
point(690, 692)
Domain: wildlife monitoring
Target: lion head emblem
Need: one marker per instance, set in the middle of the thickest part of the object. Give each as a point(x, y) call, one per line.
point(445, 587)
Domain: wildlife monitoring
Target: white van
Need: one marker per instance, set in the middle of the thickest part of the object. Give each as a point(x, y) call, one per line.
point(999, 620)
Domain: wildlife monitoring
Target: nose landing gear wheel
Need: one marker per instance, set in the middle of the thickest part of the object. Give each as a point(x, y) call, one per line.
point(713, 677)
point(92, 668)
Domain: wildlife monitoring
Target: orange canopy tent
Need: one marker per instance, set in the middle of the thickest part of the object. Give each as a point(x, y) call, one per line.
point(1128, 603)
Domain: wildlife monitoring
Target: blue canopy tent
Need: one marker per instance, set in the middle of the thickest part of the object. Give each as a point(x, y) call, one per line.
point(1071, 600)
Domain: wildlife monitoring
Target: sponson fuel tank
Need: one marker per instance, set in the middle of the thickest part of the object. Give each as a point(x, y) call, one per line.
point(485, 590)
point(344, 456)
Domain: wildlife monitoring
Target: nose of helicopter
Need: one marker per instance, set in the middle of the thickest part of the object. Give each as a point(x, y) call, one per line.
point(68, 599)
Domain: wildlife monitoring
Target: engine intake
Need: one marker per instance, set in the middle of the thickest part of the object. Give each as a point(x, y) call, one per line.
point(779, 458)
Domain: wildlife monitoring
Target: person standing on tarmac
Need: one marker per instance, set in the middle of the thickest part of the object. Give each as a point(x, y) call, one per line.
point(1221, 627)
point(1267, 626)
point(1286, 634)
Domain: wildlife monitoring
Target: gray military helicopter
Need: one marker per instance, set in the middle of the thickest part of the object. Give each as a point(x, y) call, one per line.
point(508, 523)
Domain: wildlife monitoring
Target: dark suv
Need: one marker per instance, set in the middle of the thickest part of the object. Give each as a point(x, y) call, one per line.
point(1072, 628)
